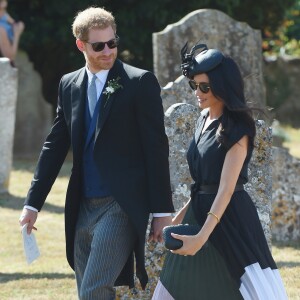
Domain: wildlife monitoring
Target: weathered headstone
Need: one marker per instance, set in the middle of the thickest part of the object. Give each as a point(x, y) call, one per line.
point(243, 43)
point(8, 98)
point(180, 120)
point(33, 114)
point(286, 196)
point(217, 30)
point(178, 91)
point(260, 176)
point(282, 77)
point(179, 123)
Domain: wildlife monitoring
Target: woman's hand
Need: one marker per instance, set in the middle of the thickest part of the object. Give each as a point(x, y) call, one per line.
point(18, 28)
point(191, 244)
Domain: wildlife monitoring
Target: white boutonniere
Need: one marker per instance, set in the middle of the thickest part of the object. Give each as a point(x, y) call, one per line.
point(112, 86)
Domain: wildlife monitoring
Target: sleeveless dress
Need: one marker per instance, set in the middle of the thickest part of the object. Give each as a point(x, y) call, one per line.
point(8, 27)
point(9, 30)
point(236, 262)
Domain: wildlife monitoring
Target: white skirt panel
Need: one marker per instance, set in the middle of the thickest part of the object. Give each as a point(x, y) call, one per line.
point(262, 284)
point(161, 293)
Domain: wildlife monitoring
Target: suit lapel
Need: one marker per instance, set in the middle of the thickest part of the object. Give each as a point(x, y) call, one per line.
point(107, 101)
point(78, 96)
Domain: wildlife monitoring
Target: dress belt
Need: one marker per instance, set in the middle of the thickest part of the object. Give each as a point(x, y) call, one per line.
point(213, 189)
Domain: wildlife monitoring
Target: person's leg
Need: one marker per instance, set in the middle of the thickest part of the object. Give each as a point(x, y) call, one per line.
point(112, 241)
point(82, 243)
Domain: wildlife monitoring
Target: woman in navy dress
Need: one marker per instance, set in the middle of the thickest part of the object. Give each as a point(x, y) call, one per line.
point(229, 258)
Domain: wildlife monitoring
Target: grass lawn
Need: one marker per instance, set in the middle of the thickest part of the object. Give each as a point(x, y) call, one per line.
point(293, 141)
point(50, 276)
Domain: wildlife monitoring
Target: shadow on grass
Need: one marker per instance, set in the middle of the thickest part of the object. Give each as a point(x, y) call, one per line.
point(290, 244)
point(287, 264)
point(30, 165)
point(6, 277)
point(12, 202)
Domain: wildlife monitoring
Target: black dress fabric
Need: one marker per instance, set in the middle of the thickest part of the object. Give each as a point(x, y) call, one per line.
point(237, 242)
point(202, 276)
point(239, 237)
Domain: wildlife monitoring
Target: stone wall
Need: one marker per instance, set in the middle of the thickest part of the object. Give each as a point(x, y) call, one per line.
point(8, 99)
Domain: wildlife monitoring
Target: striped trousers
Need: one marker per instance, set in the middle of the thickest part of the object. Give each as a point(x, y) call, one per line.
point(104, 239)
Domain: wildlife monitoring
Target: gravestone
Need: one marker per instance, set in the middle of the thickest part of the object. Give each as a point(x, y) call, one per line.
point(180, 121)
point(8, 99)
point(217, 30)
point(179, 124)
point(33, 113)
point(243, 43)
point(286, 196)
point(282, 77)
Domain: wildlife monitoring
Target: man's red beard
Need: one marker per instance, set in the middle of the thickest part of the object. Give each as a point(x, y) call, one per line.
point(100, 63)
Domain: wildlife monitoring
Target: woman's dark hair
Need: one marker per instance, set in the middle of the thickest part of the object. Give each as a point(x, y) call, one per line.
point(227, 85)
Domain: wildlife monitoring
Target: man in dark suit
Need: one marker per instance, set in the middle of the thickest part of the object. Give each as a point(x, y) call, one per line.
point(120, 168)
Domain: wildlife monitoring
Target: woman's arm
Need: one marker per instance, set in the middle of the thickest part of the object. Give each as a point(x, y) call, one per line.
point(180, 215)
point(10, 20)
point(233, 163)
point(7, 48)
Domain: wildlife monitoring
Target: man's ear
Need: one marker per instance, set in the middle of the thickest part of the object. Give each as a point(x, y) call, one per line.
point(80, 45)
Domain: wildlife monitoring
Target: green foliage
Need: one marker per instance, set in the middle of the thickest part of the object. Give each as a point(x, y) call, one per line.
point(49, 42)
point(278, 86)
point(286, 39)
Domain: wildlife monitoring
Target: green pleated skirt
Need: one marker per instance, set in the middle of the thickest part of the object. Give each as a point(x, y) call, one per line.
point(202, 276)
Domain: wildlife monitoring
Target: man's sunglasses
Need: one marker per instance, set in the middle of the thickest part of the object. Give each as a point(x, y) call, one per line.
point(111, 44)
point(204, 87)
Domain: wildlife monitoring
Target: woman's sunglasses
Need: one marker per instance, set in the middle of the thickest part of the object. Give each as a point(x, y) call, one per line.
point(111, 44)
point(204, 87)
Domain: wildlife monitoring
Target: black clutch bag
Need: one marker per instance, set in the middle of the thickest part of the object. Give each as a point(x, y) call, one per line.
point(182, 229)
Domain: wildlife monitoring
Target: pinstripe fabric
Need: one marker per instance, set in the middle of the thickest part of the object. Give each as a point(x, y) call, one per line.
point(104, 239)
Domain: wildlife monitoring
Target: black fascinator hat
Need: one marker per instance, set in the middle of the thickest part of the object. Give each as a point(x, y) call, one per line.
point(204, 61)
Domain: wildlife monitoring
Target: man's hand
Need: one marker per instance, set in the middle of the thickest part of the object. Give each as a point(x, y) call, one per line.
point(157, 225)
point(28, 216)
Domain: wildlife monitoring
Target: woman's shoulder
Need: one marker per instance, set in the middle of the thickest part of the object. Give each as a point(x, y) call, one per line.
point(238, 129)
point(245, 127)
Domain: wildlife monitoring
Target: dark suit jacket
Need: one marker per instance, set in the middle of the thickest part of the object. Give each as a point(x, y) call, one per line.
point(131, 151)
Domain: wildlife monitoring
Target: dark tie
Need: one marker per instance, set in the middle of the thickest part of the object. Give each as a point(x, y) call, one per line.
point(92, 95)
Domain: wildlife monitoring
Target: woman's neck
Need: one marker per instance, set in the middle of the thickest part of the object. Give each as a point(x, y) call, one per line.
point(215, 113)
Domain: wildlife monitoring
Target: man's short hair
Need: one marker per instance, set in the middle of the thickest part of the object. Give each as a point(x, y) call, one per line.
point(92, 17)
